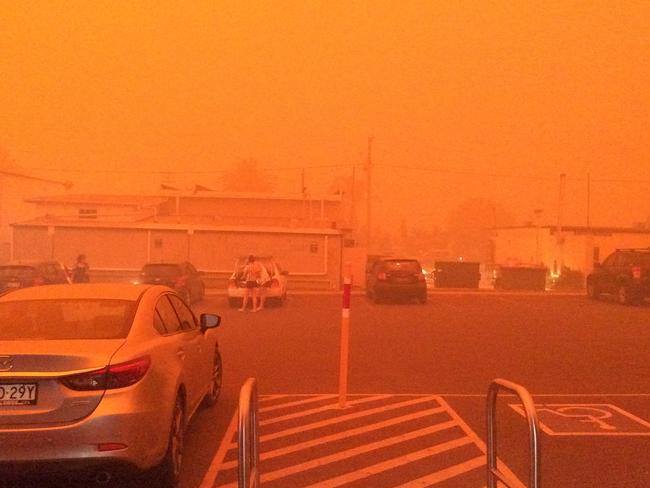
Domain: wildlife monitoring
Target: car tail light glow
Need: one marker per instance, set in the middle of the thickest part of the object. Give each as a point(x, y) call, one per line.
point(111, 377)
point(381, 276)
point(636, 272)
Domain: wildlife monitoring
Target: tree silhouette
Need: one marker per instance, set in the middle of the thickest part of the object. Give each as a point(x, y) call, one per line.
point(248, 177)
point(471, 227)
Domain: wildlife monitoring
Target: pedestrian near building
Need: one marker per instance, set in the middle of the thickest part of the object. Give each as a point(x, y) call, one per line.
point(80, 270)
point(252, 272)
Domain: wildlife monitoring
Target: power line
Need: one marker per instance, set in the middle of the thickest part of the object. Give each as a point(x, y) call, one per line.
point(185, 172)
point(468, 173)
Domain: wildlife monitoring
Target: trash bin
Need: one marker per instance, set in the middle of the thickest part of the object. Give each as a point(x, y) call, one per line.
point(521, 278)
point(456, 274)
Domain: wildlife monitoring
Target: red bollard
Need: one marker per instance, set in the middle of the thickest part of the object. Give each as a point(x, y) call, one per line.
point(345, 335)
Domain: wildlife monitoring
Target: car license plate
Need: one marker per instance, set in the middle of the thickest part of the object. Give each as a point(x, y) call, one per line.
point(13, 394)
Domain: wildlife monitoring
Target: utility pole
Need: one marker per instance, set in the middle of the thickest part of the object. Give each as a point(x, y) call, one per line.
point(353, 197)
point(588, 200)
point(369, 196)
point(560, 218)
point(538, 253)
point(302, 192)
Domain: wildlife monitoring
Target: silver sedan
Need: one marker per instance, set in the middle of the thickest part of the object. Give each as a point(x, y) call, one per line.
point(102, 377)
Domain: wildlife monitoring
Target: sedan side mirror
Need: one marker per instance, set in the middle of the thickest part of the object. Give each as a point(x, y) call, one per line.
point(209, 321)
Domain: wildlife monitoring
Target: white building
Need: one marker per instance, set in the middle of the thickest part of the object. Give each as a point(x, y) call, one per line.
point(119, 234)
point(576, 247)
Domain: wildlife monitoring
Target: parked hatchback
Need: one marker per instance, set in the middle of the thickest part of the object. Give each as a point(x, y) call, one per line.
point(182, 277)
point(625, 274)
point(102, 378)
point(24, 274)
point(391, 278)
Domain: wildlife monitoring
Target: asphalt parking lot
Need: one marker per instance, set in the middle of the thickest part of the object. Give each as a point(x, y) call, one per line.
point(584, 362)
point(418, 379)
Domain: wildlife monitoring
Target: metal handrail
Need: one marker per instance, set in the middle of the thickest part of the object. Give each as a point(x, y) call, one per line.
point(248, 445)
point(493, 473)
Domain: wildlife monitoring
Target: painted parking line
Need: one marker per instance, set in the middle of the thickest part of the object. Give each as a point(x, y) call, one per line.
point(378, 440)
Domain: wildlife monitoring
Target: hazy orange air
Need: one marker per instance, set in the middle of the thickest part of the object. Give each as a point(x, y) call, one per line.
point(479, 95)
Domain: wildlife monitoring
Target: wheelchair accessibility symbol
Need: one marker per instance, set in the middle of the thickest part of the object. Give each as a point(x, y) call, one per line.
point(587, 419)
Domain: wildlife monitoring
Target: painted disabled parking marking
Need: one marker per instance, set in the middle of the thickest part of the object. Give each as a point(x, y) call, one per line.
point(378, 440)
point(575, 419)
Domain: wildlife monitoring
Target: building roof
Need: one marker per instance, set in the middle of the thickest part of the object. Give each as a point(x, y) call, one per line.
point(163, 196)
point(251, 196)
point(23, 176)
point(110, 200)
point(581, 229)
point(148, 225)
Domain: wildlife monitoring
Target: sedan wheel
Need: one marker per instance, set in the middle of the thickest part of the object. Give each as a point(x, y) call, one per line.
point(217, 380)
point(170, 468)
point(624, 297)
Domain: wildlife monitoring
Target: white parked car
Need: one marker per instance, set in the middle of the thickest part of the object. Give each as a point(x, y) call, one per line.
point(273, 285)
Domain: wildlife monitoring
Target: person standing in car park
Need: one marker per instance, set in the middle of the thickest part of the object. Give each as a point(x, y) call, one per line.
point(264, 282)
point(252, 272)
point(80, 270)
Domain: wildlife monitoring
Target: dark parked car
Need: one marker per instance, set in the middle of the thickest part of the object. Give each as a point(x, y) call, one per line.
point(182, 277)
point(24, 274)
point(396, 278)
point(625, 274)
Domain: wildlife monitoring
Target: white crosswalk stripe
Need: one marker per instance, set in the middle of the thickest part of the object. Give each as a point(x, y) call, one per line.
point(379, 440)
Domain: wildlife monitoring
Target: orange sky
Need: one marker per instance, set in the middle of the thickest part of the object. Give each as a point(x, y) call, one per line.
point(494, 89)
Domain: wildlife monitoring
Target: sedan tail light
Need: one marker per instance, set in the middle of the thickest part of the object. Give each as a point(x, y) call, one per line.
point(111, 377)
point(636, 272)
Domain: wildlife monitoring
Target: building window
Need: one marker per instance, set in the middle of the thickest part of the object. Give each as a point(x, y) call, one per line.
point(87, 213)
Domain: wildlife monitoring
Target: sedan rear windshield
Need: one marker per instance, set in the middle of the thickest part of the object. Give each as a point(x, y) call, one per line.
point(266, 262)
point(68, 319)
point(163, 270)
point(410, 266)
point(21, 272)
point(642, 259)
